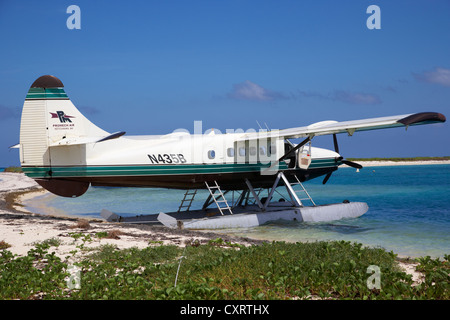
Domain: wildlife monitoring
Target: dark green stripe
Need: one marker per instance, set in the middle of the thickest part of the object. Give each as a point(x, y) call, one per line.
point(46, 93)
point(98, 171)
point(323, 163)
point(94, 171)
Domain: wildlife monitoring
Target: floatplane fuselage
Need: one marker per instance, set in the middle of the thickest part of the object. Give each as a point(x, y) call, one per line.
point(66, 153)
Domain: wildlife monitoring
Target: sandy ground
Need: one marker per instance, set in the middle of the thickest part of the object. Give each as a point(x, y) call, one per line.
point(22, 229)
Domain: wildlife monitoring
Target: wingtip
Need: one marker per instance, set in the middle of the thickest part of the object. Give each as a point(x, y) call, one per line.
point(422, 117)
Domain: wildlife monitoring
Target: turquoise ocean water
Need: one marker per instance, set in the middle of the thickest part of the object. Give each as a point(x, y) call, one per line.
point(409, 208)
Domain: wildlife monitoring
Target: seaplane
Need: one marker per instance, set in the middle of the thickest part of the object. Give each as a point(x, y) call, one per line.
point(66, 153)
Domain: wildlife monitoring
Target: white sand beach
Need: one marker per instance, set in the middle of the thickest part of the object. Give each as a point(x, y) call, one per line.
point(21, 229)
point(399, 163)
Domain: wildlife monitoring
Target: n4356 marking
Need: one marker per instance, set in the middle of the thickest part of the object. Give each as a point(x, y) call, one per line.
point(167, 158)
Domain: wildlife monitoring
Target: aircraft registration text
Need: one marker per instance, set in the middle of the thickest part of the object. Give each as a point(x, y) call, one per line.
point(167, 158)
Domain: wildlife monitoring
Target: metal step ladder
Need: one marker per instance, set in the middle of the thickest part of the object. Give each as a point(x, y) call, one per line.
point(212, 190)
point(302, 190)
point(188, 198)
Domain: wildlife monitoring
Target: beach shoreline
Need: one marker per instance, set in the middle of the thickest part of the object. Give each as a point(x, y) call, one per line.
point(22, 229)
point(385, 163)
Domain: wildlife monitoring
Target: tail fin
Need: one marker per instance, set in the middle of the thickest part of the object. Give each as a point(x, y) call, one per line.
point(49, 119)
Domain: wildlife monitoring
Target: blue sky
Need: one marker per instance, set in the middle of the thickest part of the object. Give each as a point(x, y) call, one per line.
point(149, 67)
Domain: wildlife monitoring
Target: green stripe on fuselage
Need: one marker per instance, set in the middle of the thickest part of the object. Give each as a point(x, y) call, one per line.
point(98, 171)
point(324, 163)
point(151, 170)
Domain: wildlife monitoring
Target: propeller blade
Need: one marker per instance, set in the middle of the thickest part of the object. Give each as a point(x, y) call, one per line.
point(326, 178)
point(352, 164)
point(336, 147)
point(349, 163)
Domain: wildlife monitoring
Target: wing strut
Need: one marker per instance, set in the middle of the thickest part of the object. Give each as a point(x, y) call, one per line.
point(287, 154)
point(301, 144)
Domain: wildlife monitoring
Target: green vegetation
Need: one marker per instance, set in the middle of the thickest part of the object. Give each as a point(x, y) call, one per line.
point(13, 169)
point(402, 159)
point(327, 270)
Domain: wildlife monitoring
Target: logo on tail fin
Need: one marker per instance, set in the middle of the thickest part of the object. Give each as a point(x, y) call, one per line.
point(62, 116)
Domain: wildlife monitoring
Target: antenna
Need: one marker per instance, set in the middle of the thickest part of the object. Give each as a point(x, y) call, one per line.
point(258, 124)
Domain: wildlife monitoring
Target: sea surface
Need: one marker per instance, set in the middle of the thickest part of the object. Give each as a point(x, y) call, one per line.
point(409, 208)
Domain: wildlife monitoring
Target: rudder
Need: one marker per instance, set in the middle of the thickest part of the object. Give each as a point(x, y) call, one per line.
point(48, 116)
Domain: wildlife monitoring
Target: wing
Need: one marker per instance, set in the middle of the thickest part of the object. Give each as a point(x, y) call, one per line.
point(349, 127)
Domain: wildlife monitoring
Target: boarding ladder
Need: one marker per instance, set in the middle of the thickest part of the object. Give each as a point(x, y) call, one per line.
point(188, 198)
point(212, 190)
point(302, 190)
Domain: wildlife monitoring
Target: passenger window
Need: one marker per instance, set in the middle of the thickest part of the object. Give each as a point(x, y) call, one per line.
point(211, 154)
point(242, 151)
point(262, 151)
point(230, 152)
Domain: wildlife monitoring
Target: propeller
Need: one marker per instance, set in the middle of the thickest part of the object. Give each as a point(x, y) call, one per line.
point(347, 162)
point(326, 178)
point(352, 164)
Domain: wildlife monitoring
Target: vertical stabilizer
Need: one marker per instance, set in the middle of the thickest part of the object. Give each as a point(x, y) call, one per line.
point(49, 116)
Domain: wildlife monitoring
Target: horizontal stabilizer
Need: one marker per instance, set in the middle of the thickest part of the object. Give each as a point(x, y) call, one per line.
point(112, 136)
point(86, 140)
